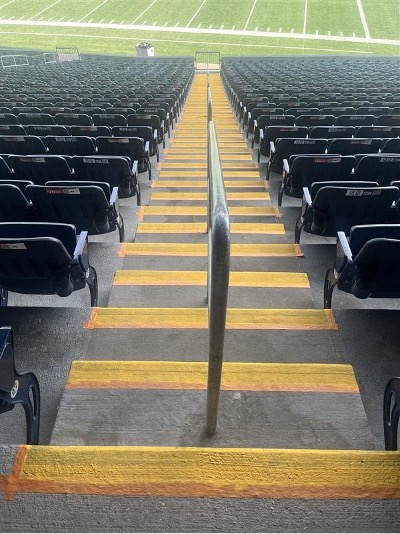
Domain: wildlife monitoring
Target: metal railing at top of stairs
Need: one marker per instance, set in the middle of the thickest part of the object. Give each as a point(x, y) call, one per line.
point(218, 269)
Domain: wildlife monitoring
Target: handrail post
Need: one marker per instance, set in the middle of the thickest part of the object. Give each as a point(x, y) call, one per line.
point(217, 276)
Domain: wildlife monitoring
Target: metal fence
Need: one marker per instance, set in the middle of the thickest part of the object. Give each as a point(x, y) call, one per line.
point(67, 54)
point(209, 61)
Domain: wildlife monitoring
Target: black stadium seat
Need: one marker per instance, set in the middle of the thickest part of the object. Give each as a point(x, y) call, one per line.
point(40, 169)
point(117, 171)
point(133, 147)
point(303, 170)
point(45, 259)
point(89, 206)
point(367, 265)
point(330, 207)
point(70, 145)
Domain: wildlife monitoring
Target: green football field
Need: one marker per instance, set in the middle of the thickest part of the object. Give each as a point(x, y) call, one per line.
point(237, 27)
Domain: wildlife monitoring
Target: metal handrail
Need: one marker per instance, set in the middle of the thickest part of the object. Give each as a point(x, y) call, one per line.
point(218, 272)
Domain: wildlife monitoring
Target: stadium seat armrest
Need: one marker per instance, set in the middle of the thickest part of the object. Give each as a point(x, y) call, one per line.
point(255, 124)
point(344, 245)
point(81, 245)
point(272, 147)
point(147, 147)
point(114, 195)
point(155, 134)
point(286, 166)
point(307, 196)
point(134, 167)
point(261, 134)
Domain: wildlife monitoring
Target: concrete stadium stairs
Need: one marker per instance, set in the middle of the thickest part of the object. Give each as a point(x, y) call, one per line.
point(292, 450)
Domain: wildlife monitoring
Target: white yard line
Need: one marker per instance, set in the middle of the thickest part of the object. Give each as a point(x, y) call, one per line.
point(250, 15)
point(111, 37)
point(363, 19)
point(305, 16)
point(45, 9)
point(93, 10)
point(143, 12)
point(10, 2)
point(196, 13)
point(214, 31)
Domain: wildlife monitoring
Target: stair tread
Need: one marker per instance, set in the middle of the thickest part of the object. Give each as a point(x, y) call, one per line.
point(200, 249)
point(237, 318)
point(207, 472)
point(196, 278)
point(241, 376)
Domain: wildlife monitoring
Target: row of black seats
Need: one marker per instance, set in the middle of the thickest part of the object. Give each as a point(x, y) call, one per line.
point(284, 147)
point(88, 205)
point(116, 171)
point(133, 148)
point(268, 134)
point(260, 122)
point(301, 171)
point(147, 132)
point(10, 126)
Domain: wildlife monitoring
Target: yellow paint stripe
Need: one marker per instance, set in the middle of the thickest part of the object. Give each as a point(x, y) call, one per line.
point(167, 228)
point(200, 165)
point(202, 151)
point(199, 278)
point(182, 195)
point(195, 211)
point(202, 184)
point(180, 184)
point(200, 249)
point(201, 228)
point(194, 172)
point(188, 137)
point(317, 378)
point(211, 472)
point(264, 211)
point(257, 228)
point(201, 145)
point(237, 318)
point(176, 156)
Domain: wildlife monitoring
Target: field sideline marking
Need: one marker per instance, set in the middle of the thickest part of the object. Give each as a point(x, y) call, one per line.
point(196, 13)
point(247, 33)
point(144, 11)
point(250, 15)
point(93, 10)
point(305, 16)
point(255, 45)
point(363, 19)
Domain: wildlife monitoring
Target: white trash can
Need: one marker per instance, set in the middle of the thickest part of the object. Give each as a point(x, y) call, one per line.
point(144, 50)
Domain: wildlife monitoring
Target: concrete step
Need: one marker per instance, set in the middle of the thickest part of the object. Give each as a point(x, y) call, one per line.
point(104, 403)
point(246, 475)
point(191, 249)
point(201, 211)
point(233, 198)
point(202, 166)
point(187, 289)
point(197, 318)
